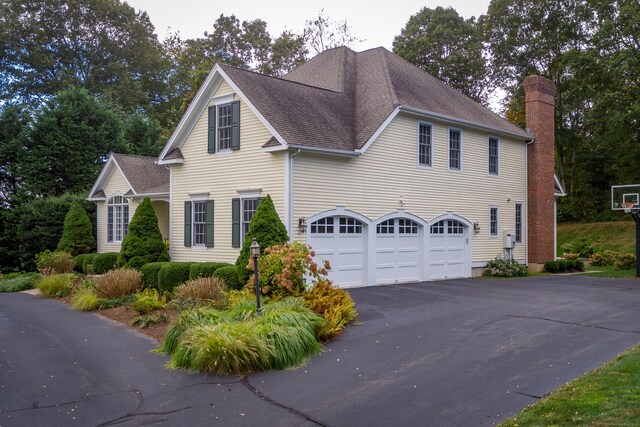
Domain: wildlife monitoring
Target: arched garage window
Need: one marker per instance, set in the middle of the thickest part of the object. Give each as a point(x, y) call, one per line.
point(117, 218)
point(450, 226)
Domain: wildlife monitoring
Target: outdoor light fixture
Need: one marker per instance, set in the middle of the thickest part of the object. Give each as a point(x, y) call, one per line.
point(255, 253)
point(476, 227)
point(302, 223)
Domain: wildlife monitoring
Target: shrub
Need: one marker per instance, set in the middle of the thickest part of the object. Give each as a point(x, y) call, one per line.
point(146, 320)
point(104, 303)
point(267, 228)
point(230, 276)
point(203, 289)
point(148, 300)
point(172, 275)
point(118, 283)
point(205, 269)
point(189, 319)
point(562, 265)
point(575, 264)
point(607, 257)
point(334, 305)
point(626, 262)
point(55, 286)
point(18, 282)
point(551, 267)
point(505, 268)
point(150, 274)
point(143, 243)
point(104, 262)
point(570, 256)
point(566, 248)
point(584, 247)
point(79, 259)
point(55, 262)
point(77, 236)
point(85, 300)
point(87, 263)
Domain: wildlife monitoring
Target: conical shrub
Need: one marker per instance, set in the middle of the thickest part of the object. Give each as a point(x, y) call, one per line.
point(143, 243)
point(77, 236)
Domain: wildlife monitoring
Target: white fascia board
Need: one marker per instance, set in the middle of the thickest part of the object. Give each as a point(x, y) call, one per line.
point(275, 149)
point(378, 131)
point(96, 199)
point(125, 177)
point(319, 150)
point(171, 162)
point(466, 123)
point(102, 177)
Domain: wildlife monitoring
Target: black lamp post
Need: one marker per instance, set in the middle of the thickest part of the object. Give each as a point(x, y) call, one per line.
point(255, 253)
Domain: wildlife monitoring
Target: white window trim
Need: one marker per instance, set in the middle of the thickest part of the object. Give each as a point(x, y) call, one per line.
point(449, 149)
point(421, 165)
point(489, 173)
point(218, 106)
point(115, 242)
point(197, 197)
point(243, 195)
point(497, 222)
point(522, 223)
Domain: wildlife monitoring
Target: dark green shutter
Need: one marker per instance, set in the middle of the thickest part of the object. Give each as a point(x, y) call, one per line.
point(212, 130)
point(208, 223)
point(235, 125)
point(187, 223)
point(235, 223)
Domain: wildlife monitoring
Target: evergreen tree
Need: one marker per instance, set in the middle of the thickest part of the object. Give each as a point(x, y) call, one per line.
point(268, 231)
point(143, 243)
point(77, 236)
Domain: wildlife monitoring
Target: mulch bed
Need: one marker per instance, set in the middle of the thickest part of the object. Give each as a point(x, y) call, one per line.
point(125, 314)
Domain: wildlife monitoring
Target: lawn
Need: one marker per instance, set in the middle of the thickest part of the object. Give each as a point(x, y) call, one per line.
point(606, 396)
point(618, 236)
point(610, 271)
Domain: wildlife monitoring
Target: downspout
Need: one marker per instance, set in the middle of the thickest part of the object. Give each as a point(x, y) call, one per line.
point(290, 192)
point(526, 190)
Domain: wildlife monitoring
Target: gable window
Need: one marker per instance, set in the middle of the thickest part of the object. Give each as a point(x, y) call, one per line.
point(224, 127)
point(198, 223)
point(493, 156)
point(455, 149)
point(424, 145)
point(493, 221)
point(518, 221)
point(117, 218)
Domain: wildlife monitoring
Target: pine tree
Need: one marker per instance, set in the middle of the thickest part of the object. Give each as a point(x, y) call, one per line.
point(143, 243)
point(77, 236)
point(268, 230)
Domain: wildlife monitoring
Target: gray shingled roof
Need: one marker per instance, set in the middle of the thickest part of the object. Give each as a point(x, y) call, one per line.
point(144, 175)
point(338, 99)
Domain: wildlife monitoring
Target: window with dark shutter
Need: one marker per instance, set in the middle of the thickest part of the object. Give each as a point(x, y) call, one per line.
point(211, 142)
point(209, 224)
point(187, 224)
point(235, 125)
point(235, 223)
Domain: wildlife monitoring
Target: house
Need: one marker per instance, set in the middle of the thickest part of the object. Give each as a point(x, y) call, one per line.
point(383, 169)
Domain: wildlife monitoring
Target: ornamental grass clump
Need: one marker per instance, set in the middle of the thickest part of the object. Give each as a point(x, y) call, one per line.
point(56, 286)
point(203, 290)
point(118, 283)
point(85, 300)
point(334, 305)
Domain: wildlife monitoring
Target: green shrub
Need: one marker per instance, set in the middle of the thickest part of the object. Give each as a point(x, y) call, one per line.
point(566, 248)
point(85, 300)
point(205, 269)
point(230, 276)
point(56, 286)
point(607, 257)
point(77, 236)
point(150, 274)
point(334, 305)
point(105, 303)
point(551, 267)
point(118, 283)
point(562, 265)
point(172, 275)
point(189, 319)
point(267, 228)
point(575, 264)
point(58, 262)
point(104, 262)
point(143, 243)
point(79, 259)
point(505, 268)
point(148, 300)
point(146, 320)
point(18, 282)
point(626, 262)
point(87, 263)
point(584, 247)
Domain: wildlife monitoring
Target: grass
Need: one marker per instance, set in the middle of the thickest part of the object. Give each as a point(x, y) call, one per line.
point(146, 320)
point(618, 236)
point(18, 282)
point(606, 396)
point(56, 286)
point(85, 300)
point(610, 271)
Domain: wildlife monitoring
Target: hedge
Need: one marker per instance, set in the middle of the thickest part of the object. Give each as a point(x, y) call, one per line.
point(563, 265)
point(87, 263)
point(205, 269)
point(80, 261)
point(230, 276)
point(104, 262)
point(150, 273)
point(173, 274)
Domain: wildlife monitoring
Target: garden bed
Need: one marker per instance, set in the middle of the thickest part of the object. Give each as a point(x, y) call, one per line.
point(126, 314)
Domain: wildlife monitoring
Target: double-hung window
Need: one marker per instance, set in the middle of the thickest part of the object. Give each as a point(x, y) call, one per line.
point(117, 218)
point(198, 223)
point(493, 156)
point(242, 211)
point(518, 222)
point(424, 145)
point(249, 208)
point(493, 221)
point(224, 127)
point(455, 150)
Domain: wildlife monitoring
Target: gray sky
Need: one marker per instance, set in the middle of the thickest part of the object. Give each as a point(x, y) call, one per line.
point(375, 21)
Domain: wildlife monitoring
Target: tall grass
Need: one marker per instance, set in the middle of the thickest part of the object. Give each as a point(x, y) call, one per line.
point(118, 283)
point(85, 300)
point(56, 286)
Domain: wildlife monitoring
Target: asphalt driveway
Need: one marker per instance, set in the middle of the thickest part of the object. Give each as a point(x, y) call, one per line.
point(457, 353)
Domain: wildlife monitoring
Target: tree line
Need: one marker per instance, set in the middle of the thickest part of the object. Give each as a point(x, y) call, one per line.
point(79, 80)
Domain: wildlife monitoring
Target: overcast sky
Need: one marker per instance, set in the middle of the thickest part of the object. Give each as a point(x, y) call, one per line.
point(375, 21)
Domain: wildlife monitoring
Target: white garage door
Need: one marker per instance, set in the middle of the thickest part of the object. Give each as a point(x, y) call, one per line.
point(397, 251)
point(340, 240)
point(448, 252)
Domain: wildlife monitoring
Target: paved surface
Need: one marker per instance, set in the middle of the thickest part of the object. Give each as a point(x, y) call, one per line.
point(458, 353)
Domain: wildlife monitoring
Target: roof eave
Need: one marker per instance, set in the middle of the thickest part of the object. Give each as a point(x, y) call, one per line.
point(171, 162)
point(320, 150)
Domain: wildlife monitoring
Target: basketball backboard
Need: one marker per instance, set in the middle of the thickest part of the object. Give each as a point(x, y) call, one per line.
point(625, 197)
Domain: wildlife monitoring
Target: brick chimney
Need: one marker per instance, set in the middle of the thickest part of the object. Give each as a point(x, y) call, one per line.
point(539, 100)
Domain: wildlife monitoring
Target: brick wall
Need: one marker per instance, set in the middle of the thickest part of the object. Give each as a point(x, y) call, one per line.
point(539, 98)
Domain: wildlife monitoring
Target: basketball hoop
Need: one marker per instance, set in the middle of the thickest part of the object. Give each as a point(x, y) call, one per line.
point(627, 206)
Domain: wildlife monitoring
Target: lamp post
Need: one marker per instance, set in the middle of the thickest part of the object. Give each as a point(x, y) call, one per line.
point(255, 253)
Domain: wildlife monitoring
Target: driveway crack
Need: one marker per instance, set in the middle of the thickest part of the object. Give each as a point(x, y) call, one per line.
point(533, 396)
point(574, 323)
point(259, 394)
point(131, 415)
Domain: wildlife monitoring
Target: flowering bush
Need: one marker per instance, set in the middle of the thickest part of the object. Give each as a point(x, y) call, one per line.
point(283, 268)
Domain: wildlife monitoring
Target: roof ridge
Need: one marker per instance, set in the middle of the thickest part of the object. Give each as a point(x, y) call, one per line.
point(387, 77)
point(135, 155)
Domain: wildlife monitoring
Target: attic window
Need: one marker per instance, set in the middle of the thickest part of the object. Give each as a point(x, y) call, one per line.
point(224, 127)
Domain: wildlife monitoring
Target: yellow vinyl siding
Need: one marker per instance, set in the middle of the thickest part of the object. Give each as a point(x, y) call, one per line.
point(116, 185)
point(373, 183)
point(161, 209)
point(222, 175)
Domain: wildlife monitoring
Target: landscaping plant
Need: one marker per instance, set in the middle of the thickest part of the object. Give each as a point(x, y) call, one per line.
point(104, 262)
point(56, 286)
point(230, 276)
point(143, 243)
point(85, 299)
point(77, 236)
point(146, 320)
point(607, 257)
point(87, 263)
point(204, 289)
point(148, 300)
point(118, 283)
point(505, 268)
point(334, 305)
point(173, 274)
point(205, 269)
point(79, 259)
point(57, 262)
point(625, 262)
point(18, 282)
point(150, 273)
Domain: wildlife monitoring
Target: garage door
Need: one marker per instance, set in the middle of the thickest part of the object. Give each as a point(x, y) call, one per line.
point(397, 251)
point(340, 240)
point(448, 252)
